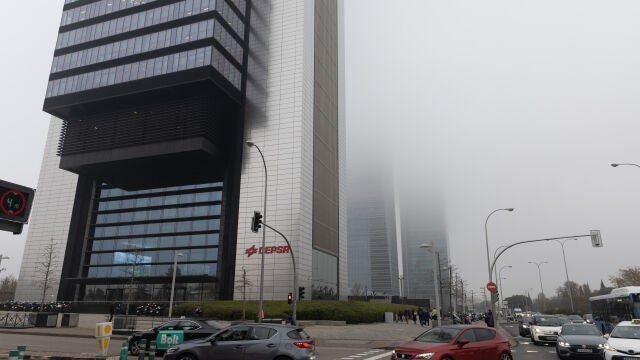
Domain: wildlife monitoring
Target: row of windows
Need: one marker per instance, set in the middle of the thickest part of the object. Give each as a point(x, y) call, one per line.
point(145, 69)
point(108, 192)
point(165, 200)
point(229, 42)
point(231, 17)
point(142, 261)
point(209, 269)
point(158, 228)
point(134, 21)
point(163, 214)
point(150, 292)
point(98, 9)
point(137, 45)
point(212, 239)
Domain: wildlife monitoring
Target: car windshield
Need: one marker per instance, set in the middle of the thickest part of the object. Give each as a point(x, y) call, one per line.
point(526, 320)
point(438, 335)
point(549, 321)
point(626, 332)
point(580, 330)
point(575, 317)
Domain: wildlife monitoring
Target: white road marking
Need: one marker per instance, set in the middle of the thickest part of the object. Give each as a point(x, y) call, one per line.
point(380, 356)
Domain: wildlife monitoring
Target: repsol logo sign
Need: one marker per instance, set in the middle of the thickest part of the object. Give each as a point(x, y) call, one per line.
point(267, 250)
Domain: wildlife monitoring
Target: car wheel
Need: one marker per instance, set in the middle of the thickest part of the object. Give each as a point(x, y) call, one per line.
point(187, 357)
point(134, 347)
point(505, 356)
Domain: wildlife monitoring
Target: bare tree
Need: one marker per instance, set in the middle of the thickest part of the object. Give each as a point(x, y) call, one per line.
point(44, 269)
point(242, 284)
point(629, 276)
point(8, 287)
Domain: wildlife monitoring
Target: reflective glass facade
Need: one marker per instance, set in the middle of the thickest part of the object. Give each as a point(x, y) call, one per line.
point(136, 234)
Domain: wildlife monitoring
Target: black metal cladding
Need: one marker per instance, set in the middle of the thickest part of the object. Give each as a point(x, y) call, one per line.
point(154, 123)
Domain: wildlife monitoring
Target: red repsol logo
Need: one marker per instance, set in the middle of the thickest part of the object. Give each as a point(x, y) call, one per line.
point(267, 250)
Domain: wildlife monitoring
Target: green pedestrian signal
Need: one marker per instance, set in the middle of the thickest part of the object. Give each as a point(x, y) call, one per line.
point(256, 221)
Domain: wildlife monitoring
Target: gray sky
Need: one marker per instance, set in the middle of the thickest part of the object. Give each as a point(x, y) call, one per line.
point(518, 104)
point(507, 103)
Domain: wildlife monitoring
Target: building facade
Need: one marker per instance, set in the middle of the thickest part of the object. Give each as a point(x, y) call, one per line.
point(156, 101)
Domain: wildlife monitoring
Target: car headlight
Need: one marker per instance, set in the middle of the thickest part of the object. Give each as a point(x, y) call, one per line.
point(538, 330)
point(525, 326)
point(564, 344)
point(425, 356)
point(608, 347)
point(172, 349)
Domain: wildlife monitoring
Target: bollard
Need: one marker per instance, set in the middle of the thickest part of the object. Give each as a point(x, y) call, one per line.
point(124, 351)
point(142, 348)
point(152, 350)
point(21, 350)
point(13, 354)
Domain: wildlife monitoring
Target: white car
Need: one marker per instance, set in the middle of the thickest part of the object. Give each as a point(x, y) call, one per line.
point(545, 329)
point(624, 341)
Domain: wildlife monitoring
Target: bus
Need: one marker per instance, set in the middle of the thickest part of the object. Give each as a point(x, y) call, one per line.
point(619, 305)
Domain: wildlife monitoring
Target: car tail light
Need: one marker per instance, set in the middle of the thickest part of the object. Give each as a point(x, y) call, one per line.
point(303, 344)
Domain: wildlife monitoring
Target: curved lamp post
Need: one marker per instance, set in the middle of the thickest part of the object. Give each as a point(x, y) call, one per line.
point(500, 280)
point(540, 276)
point(624, 164)
point(566, 272)
point(486, 240)
point(435, 280)
point(264, 238)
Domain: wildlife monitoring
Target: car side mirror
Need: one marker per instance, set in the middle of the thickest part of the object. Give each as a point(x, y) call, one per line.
point(463, 342)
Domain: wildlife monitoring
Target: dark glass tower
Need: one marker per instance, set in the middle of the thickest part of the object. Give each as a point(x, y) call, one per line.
point(151, 96)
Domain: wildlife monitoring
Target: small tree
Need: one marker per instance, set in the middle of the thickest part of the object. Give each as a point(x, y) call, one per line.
point(44, 269)
point(242, 284)
point(8, 288)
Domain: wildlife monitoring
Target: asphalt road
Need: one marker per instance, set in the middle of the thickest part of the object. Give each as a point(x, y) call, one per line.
point(526, 350)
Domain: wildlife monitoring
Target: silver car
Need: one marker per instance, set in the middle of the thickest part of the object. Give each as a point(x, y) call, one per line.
point(248, 342)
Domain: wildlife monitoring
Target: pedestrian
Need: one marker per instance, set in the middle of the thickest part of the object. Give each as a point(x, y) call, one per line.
point(198, 311)
point(400, 316)
point(112, 310)
point(489, 319)
point(427, 317)
point(406, 316)
point(414, 316)
point(421, 316)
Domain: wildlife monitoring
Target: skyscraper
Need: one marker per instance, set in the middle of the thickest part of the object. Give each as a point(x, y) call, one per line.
point(156, 101)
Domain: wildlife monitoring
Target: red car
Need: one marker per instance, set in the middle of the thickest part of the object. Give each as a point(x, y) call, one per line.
point(456, 342)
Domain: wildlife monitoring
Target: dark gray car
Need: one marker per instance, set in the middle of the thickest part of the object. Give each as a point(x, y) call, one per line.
point(579, 341)
point(248, 342)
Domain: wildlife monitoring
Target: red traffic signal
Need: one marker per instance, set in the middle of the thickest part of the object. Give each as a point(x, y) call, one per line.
point(290, 298)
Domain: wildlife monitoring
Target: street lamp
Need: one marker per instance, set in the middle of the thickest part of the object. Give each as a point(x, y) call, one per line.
point(486, 239)
point(623, 164)
point(264, 239)
point(173, 281)
point(484, 297)
point(500, 281)
point(540, 276)
point(566, 272)
point(435, 280)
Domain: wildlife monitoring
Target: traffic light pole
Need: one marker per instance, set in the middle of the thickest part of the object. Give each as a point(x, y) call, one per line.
point(595, 240)
point(295, 273)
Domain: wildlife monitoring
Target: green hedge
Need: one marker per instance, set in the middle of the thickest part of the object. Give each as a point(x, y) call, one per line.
point(353, 312)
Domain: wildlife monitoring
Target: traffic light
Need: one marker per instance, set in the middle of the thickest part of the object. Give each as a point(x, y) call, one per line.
point(256, 220)
point(290, 298)
point(15, 206)
point(300, 292)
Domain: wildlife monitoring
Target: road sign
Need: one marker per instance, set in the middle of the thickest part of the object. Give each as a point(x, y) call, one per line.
point(491, 286)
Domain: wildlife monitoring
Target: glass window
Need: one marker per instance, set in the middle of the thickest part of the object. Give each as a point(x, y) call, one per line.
point(262, 333)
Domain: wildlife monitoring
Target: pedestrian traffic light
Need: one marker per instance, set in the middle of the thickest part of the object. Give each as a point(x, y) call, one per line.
point(300, 292)
point(290, 298)
point(256, 221)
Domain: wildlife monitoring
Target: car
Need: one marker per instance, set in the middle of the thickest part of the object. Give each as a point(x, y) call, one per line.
point(545, 328)
point(576, 319)
point(455, 342)
point(579, 341)
point(248, 342)
point(524, 325)
point(193, 329)
point(588, 318)
point(624, 341)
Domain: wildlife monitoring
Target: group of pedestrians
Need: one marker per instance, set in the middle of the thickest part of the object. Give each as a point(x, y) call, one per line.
point(419, 315)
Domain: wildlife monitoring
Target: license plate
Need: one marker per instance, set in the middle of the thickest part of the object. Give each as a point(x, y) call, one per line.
point(584, 350)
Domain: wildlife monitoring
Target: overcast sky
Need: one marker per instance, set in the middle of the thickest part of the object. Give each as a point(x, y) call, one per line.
point(518, 104)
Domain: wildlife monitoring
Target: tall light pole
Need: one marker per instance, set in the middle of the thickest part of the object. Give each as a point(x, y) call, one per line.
point(173, 281)
point(264, 238)
point(486, 239)
point(484, 297)
point(540, 276)
point(566, 272)
point(436, 286)
point(500, 282)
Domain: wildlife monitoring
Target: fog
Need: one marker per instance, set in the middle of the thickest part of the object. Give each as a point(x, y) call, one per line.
point(507, 104)
point(492, 104)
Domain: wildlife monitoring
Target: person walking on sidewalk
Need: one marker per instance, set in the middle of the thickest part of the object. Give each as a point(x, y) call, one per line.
point(489, 319)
